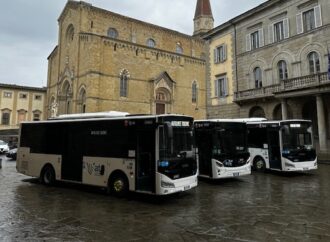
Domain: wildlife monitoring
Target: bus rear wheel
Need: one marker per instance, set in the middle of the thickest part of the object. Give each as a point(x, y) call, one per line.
point(118, 185)
point(259, 164)
point(47, 176)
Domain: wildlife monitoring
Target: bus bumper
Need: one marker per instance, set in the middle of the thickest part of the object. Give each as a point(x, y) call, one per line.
point(165, 185)
point(299, 166)
point(229, 172)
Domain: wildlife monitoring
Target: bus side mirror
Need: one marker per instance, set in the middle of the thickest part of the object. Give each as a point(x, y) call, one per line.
point(169, 130)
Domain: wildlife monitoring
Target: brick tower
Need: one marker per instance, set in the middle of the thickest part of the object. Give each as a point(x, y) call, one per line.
point(203, 20)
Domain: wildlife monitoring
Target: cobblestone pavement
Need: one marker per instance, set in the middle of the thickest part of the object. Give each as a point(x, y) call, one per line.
point(260, 207)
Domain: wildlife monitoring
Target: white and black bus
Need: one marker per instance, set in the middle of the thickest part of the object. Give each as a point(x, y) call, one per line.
point(145, 153)
point(281, 145)
point(222, 148)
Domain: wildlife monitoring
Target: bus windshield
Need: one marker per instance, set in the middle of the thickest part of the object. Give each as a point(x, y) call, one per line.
point(297, 136)
point(176, 154)
point(181, 142)
point(231, 139)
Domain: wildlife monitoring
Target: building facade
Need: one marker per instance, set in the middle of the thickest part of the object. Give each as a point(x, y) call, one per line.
point(221, 69)
point(17, 104)
point(105, 61)
point(281, 63)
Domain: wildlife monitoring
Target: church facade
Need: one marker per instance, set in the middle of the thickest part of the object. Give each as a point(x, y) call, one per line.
point(105, 61)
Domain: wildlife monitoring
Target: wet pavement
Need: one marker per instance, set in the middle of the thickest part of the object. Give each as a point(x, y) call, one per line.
point(260, 207)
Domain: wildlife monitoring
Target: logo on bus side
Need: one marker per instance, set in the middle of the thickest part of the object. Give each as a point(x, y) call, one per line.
point(94, 169)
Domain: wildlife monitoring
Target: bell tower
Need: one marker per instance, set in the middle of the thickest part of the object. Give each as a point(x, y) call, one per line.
point(203, 20)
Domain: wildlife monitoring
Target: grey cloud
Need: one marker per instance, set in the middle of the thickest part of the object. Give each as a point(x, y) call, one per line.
point(29, 28)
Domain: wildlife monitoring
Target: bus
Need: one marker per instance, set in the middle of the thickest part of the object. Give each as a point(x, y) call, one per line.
point(143, 153)
point(222, 150)
point(281, 145)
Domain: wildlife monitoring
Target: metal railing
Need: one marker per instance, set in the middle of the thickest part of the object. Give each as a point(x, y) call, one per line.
point(296, 83)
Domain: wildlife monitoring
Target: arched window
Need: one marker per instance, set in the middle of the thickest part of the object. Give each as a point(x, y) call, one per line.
point(282, 70)
point(179, 48)
point(314, 62)
point(5, 118)
point(124, 76)
point(70, 33)
point(113, 33)
point(257, 77)
point(151, 43)
point(194, 92)
point(82, 100)
point(257, 112)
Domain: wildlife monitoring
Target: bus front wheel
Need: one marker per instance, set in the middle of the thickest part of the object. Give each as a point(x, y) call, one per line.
point(47, 176)
point(118, 185)
point(259, 164)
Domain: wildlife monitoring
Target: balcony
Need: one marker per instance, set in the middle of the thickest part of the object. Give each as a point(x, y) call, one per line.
point(302, 83)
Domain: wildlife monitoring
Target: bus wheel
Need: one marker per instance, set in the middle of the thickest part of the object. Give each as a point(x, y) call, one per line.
point(259, 164)
point(118, 185)
point(47, 176)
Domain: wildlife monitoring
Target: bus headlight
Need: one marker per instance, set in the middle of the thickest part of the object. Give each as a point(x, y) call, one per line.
point(289, 164)
point(219, 164)
point(286, 152)
point(167, 184)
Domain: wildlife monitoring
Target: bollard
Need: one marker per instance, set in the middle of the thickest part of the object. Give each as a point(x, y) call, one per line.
point(0, 163)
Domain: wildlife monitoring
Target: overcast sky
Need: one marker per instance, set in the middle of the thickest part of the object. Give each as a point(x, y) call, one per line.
point(29, 28)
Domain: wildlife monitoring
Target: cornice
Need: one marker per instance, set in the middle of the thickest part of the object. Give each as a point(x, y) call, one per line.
point(17, 87)
point(142, 48)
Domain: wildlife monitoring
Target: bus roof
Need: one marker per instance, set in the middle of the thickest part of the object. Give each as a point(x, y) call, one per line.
point(220, 121)
point(279, 122)
point(110, 114)
point(105, 116)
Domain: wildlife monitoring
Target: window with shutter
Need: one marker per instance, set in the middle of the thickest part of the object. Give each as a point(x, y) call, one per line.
point(255, 40)
point(221, 89)
point(318, 16)
point(299, 23)
point(278, 31)
point(271, 34)
point(220, 54)
point(309, 20)
point(286, 28)
point(261, 38)
point(248, 42)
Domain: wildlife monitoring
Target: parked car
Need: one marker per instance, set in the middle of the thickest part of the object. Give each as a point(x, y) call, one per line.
point(12, 154)
point(4, 148)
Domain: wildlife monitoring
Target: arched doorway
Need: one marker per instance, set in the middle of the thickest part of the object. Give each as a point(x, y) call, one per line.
point(257, 112)
point(277, 113)
point(163, 101)
point(67, 97)
point(309, 111)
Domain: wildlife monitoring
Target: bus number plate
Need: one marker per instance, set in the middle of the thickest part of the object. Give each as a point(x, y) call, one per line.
point(236, 174)
point(305, 168)
point(186, 187)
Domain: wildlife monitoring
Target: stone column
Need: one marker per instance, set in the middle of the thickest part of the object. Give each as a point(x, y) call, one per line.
point(284, 108)
point(321, 123)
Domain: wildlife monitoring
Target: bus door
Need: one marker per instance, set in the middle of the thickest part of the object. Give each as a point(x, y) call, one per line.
point(274, 148)
point(145, 161)
point(204, 144)
point(72, 157)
